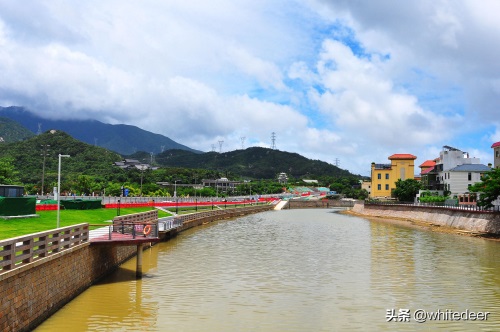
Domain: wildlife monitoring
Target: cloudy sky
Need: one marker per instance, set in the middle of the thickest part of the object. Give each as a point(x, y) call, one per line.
point(343, 81)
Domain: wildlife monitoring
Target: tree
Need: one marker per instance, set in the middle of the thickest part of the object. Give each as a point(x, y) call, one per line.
point(8, 174)
point(488, 188)
point(406, 190)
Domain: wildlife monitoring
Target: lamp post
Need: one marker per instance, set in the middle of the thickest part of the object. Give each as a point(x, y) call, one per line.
point(175, 188)
point(59, 187)
point(142, 168)
point(45, 148)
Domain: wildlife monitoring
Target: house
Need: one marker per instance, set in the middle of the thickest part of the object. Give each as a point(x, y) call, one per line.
point(385, 176)
point(496, 154)
point(366, 185)
point(455, 171)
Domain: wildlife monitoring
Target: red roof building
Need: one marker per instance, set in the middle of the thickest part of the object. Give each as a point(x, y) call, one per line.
point(403, 156)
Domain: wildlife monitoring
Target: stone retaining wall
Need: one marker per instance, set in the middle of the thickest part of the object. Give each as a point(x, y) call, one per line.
point(200, 218)
point(33, 292)
point(473, 221)
point(319, 204)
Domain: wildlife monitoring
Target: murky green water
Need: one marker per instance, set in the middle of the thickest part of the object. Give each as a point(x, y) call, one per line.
point(296, 270)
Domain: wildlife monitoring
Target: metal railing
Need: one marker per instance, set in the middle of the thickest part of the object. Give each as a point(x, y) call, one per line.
point(26, 249)
point(459, 207)
point(124, 231)
point(168, 223)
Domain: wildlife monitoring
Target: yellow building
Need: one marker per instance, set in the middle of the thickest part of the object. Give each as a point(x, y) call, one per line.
point(385, 176)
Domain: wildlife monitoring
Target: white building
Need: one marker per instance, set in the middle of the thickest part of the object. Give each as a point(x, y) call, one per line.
point(457, 172)
point(496, 154)
point(459, 179)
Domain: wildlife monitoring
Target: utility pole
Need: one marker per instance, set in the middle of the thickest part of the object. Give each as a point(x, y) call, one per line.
point(44, 154)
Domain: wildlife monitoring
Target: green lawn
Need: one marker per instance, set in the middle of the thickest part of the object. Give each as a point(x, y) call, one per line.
point(48, 220)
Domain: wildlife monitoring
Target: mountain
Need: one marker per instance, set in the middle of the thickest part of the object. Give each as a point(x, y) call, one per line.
point(40, 153)
point(254, 162)
point(123, 139)
point(12, 131)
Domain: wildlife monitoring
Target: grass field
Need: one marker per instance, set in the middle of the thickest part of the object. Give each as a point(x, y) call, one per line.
point(48, 220)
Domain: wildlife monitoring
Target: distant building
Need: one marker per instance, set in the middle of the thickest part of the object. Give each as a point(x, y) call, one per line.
point(426, 167)
point(385, 176)
point(496, 154)
point(367, 185)
point(282, 178)
point(221, 185)
point(133, 163)
point(455, 171)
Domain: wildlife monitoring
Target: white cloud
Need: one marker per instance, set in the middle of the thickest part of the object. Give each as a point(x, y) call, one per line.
point(356, 81)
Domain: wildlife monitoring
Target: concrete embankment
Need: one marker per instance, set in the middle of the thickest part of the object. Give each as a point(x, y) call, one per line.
point(318, 204)
point(465, 220)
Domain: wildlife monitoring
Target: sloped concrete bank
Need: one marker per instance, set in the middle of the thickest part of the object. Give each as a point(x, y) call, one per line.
point(470, 221)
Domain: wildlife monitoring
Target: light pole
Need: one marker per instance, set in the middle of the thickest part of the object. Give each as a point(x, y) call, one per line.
point(59, 186)
point(175, 188)
point(45, 147)
point(142, 168)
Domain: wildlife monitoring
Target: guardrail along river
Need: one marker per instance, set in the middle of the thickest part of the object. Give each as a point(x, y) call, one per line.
point(298, 270)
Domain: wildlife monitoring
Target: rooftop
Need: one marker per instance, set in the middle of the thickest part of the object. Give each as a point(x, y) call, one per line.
point(428, 163)
point(403, 156)
point(495, 145)
point(471, 168)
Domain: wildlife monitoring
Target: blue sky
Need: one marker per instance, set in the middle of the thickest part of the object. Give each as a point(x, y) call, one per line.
point(355, 81)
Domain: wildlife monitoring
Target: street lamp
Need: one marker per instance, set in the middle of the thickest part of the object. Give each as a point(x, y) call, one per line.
point(59, 187)
point(175, 188)
point(142, 168)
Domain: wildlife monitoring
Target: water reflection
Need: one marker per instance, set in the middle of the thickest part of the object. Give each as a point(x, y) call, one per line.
point(293, 270)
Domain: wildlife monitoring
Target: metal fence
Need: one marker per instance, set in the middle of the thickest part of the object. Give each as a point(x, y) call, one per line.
point(168, 223)
point(124, 231)
point(460, 207)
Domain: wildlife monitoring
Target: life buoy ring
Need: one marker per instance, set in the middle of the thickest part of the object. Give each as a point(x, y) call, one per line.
point(147, 230)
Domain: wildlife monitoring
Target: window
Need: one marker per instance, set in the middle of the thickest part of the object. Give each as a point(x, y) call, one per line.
point(386, 187)
point(469, 177)
point(379, 176)
point(387, 176)
point(379, 187)
point(497, 153)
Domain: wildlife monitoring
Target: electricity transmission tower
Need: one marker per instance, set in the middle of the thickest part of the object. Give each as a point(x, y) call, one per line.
point(220, 146)
point(242, 142)
point(273, 140)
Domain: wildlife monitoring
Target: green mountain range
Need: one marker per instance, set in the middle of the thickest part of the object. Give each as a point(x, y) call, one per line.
point(12, 131)
point(123, 139)
point(27, 151)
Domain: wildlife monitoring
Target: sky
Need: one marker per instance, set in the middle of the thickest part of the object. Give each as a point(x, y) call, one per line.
point(342, 81)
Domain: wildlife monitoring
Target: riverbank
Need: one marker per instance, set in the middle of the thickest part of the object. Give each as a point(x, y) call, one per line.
point(477, 224)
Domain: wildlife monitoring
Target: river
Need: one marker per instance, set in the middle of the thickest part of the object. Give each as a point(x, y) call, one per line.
point(297, 270)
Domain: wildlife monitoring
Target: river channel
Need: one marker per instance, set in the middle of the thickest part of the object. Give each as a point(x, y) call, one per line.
point(298, 270)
